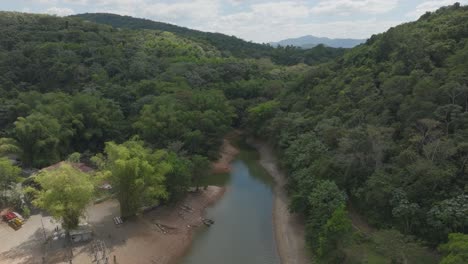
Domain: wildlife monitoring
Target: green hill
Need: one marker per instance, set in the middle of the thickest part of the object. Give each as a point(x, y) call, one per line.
point(388, 124)
point(228, 45)
point(380, 129)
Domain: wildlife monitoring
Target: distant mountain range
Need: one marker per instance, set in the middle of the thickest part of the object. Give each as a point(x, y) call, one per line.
point(308, 42)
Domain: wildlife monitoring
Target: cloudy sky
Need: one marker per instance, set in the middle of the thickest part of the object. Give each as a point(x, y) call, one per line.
point(255, 20)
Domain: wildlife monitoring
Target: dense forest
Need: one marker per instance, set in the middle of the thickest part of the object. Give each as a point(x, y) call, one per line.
point(384, 127)
point(380, 129)
point(227, 45)
point(80, 91)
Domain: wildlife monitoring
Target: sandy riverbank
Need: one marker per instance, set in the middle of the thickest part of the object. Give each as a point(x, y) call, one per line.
point(228, 153)
point(138, 240)
point(289, 228)
point(161, 236)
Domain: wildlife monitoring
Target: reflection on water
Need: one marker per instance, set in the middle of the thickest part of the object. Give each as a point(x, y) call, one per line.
point(243, 229)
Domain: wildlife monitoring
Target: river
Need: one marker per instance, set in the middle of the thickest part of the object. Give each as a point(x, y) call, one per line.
point(243, 230)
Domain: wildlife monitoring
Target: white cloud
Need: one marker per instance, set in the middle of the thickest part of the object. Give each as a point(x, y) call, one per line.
point(285, 9)
point(261, 31)
point(100, 2)
point(265, 14)
point(60, 11)
point(432, 5)
point(261, 20)
point(195, 9)
point(347, 7)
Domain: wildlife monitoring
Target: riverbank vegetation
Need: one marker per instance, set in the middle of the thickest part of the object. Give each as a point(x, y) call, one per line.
point(381, 127)
point(148, 109)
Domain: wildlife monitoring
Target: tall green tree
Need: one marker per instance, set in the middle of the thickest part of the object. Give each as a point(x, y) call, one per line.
point(200, 167)
point(137, 173)
point(8, 175)
point(65, 192)
point(179, 179)
point(334, 232)
point(455, 250)
point(38, 136)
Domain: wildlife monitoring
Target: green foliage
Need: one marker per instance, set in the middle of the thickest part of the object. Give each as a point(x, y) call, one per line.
point(9, 146)
point(324, 199)
point(386, 123)
point(200, 119)
point(38, 136)
point(455, 250)
point(74, 157)
point(450, 215)
point(137, 173)
point(334, 232)
point(228, 45)
point(8, 175)
point(257, 115)
point(65, 192)
point(26, 212)
point(200, 166)
point(179, 179)
point(388, 246)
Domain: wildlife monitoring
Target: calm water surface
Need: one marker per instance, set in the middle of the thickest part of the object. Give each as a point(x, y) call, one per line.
point(243, 229)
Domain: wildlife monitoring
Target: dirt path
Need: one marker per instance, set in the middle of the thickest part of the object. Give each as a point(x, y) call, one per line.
point(289, 228)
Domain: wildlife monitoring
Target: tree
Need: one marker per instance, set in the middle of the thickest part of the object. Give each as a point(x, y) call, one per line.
point(455, 250)
point(259, 114)
point(304, 151)
point(323, 201)
point(198, 118)
point(200, 167)
point(178, 180)
point(8, 174)
point(450, 215)
point(65, 192)
point(74, 157)
point(38, 137)
point(334, 232)
point(398, 248)
point(138, 174)
point(403, 209)
point(9, 146)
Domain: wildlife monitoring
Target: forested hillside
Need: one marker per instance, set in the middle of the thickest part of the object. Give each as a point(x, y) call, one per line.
point(381, 129)
point(387, 125)
point(68, 86)
point(227, 45)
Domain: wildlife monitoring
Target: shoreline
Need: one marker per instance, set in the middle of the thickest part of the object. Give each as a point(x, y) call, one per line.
point(178, 244)
point(228, 154)
point(289, 228)
point(163, 235)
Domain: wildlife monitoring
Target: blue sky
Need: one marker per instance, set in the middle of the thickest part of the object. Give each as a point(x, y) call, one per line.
point(255, 20)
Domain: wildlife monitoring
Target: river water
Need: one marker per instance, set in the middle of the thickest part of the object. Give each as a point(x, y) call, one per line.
point(243, 229)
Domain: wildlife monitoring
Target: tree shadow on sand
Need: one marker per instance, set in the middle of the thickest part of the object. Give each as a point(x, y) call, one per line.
point(28, 252)
point(36, 250)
